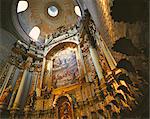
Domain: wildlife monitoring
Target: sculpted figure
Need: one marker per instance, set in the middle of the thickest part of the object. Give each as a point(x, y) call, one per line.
point(65, 112)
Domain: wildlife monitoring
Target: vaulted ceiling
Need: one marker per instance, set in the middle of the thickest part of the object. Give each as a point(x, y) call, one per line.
point(37, 15)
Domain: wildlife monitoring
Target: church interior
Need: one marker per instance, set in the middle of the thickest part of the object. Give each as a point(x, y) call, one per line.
point(74, 59)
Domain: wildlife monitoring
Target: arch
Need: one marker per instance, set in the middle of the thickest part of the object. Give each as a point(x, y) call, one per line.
point(57, 44)
point(64, 108)
point(58, 97)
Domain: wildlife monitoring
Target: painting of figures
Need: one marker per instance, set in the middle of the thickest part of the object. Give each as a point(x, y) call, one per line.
point(65, 69)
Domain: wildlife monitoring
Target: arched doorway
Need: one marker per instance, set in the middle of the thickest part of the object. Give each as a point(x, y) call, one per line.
point(64, 107)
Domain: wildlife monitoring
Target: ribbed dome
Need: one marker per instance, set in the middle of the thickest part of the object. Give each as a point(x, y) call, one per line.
point(37, 15)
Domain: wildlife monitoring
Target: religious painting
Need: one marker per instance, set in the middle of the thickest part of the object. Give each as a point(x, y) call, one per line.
point(65, 69)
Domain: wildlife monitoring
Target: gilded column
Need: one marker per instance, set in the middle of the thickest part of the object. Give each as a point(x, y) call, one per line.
point(79, 65)
point(42, 73)
point(96, 63)
point(6, 79)
point(12, 99)
point(22, 84)
point(111, 61)
point(35, 80)
point(90, 29)
point(49, 73)
point(82, 62)
point(20, 90)
point(13, 83)
point(15, 78)
point(37, 72)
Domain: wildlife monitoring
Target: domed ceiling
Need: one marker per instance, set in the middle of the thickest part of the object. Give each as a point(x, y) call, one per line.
point(48, 16)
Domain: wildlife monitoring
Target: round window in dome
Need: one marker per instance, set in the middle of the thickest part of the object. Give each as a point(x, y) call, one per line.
point(53, 11)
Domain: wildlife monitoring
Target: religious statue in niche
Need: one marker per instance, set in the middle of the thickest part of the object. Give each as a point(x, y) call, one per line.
point(64, 108)
point(65, 69)
point(65, 111)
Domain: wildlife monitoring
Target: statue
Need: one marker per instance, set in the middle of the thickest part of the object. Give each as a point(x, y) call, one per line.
point(65, 112)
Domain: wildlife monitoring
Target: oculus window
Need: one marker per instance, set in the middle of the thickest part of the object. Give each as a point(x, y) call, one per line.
point(52, 11)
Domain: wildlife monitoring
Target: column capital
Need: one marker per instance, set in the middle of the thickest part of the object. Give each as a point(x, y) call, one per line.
point(28, 62)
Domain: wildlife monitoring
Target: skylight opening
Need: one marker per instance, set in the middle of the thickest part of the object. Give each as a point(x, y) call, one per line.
point(34, 33)
point(77, 10)
point(52, 11)
point(22, 6)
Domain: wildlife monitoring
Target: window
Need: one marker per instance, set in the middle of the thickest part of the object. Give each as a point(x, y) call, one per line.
point(34, 33)
point(53, 11)
point(77, 11)
point(22, 6)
